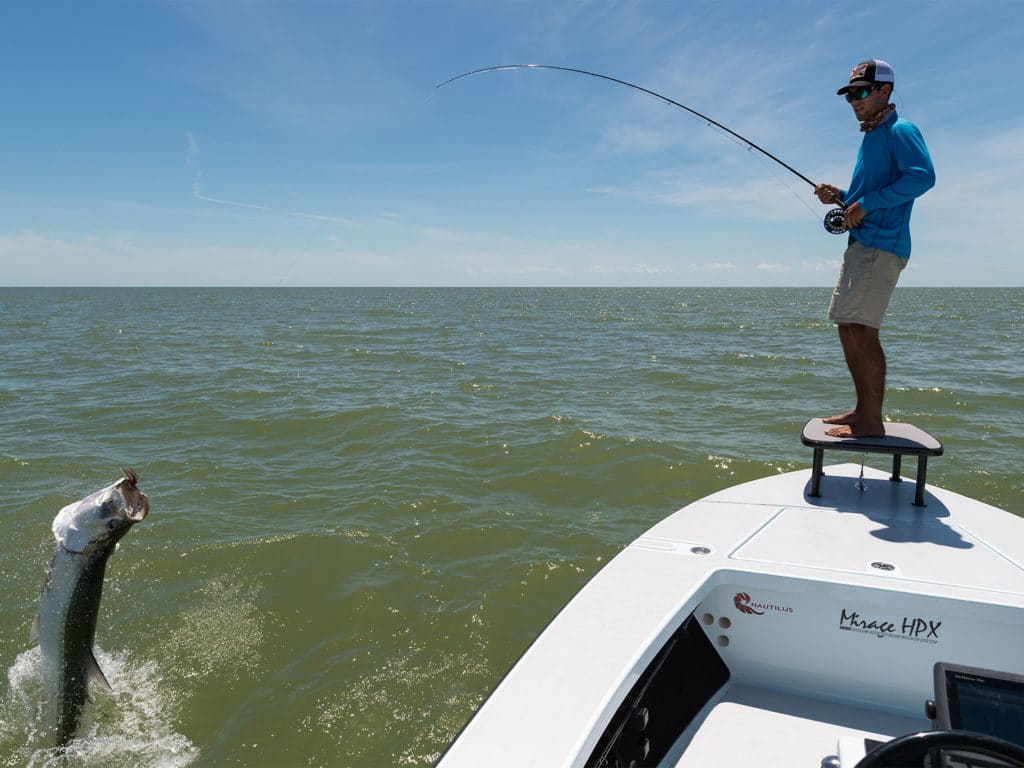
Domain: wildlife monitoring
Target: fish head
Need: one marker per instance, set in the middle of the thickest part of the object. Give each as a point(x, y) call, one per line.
point(98, 521)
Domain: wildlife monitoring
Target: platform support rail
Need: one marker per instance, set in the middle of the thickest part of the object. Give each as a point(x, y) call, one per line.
point(900, 440)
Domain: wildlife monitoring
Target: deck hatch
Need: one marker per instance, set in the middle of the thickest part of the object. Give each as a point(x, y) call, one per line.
point(917, 547)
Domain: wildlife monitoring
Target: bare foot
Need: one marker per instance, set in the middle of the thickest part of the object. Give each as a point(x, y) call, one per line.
point(858, 429)
point(844, 418)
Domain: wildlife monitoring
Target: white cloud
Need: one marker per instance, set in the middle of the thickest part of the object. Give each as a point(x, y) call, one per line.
point(723, 192)
point(125, 259)
point(193, 162)
point(977, 192)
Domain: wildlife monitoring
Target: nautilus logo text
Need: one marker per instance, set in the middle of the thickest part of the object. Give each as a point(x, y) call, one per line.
point(745, 604)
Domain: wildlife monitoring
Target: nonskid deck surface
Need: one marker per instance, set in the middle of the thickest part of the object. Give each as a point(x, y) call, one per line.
point(747, 725)
point(860, 527)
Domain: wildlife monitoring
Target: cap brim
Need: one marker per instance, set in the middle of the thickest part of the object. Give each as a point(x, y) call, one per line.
point(854, 84)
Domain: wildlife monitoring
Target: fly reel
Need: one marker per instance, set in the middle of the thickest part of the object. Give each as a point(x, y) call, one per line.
point(835, 221)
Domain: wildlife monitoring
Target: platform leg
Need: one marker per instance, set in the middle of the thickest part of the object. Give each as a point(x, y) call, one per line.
point(816, 471)
point(922, 471)
point(897, 464)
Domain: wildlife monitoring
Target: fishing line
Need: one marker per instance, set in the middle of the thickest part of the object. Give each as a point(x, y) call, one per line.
point(833, 219)
point(773, 170)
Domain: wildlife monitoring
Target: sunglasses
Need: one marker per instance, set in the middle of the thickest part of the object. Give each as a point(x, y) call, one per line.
point(860, 93)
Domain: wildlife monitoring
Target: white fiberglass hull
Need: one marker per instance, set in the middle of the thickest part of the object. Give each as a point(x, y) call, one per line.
point(828, 614)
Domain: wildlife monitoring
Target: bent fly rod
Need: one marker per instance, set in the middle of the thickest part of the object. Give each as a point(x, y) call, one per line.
point(833, 219)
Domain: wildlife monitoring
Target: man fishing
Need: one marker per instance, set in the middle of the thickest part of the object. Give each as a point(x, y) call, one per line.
point(893, 168)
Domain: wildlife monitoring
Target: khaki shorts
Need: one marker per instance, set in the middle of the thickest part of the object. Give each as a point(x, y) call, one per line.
point(865, 285)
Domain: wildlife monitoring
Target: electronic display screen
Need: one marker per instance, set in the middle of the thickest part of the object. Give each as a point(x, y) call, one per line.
point(986, 704)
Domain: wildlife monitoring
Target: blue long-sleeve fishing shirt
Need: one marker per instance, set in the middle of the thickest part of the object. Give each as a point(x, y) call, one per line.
point(893, 168)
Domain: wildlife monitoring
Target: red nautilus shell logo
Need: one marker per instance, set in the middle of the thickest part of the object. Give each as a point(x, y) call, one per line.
point(742, 602)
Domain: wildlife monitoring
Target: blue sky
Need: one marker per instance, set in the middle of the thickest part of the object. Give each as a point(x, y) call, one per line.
point(299, 143)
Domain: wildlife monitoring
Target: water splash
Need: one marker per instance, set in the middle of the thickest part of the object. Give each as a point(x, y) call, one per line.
point(130, 728)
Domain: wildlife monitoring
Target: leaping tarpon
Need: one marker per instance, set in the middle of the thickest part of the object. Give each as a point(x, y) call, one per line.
point(87, 532)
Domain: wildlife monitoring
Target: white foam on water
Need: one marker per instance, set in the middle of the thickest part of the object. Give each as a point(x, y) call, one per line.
point(221, 633)
point(129, 728)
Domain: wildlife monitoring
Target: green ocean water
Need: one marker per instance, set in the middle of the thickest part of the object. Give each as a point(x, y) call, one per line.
point(366, 503)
